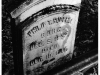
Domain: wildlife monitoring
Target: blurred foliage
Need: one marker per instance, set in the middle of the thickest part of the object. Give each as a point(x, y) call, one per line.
point(7, 50)
point(87, 29)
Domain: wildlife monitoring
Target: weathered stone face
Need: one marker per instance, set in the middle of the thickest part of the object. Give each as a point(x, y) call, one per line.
point(49, 38)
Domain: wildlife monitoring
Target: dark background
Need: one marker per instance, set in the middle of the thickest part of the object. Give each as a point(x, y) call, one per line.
point(86, 36)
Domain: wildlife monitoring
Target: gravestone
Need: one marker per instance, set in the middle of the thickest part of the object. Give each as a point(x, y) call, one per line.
point(44, 34)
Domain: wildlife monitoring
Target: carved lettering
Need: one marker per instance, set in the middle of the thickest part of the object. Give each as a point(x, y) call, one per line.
point(36, 60)
point(47, 42)
point(65, 19)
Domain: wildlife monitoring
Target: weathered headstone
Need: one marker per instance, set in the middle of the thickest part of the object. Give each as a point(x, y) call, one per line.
point(45, 33)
